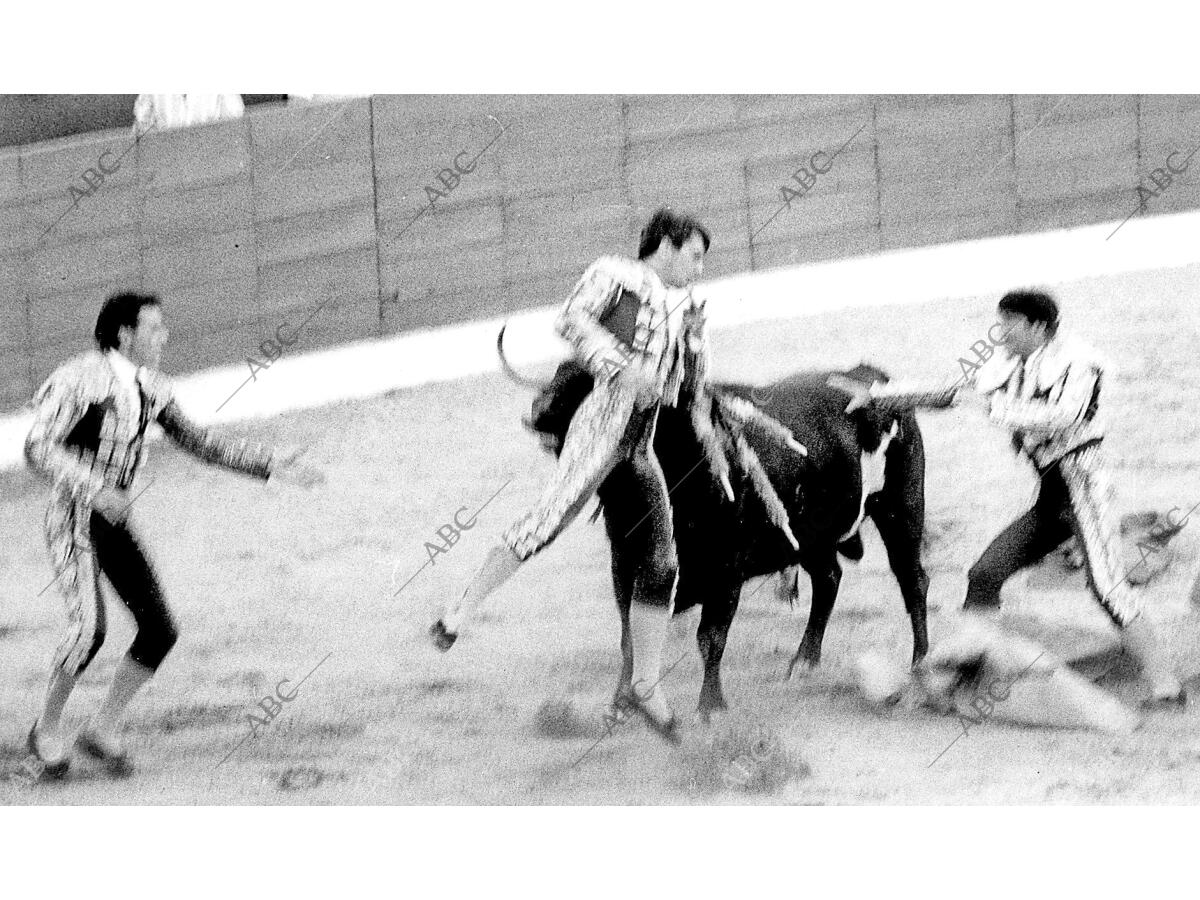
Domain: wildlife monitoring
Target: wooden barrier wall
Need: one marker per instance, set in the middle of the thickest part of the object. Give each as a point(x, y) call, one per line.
point(244, 225)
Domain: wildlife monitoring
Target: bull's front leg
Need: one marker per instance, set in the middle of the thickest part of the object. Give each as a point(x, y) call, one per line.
point(902, 536)
point(625, 679)
point(914, 599)
point(716, 616)
point(622, 578)
point(826, 578)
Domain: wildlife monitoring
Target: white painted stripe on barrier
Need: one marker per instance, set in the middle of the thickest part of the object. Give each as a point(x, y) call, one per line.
point(371, 367)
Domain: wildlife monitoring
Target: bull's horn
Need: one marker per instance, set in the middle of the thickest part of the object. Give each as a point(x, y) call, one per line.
point(513, 373)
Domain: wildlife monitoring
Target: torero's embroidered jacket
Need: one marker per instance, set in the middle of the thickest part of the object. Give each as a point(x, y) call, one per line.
point(86, 435)
point(1050, 401)
point(618, 315)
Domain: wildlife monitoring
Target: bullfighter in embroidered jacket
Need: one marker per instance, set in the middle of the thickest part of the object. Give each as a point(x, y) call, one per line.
point(619, 322)
point(1045, 388)
point(87, 439)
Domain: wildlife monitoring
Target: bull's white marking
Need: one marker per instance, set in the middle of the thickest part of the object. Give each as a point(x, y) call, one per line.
point(872, 465)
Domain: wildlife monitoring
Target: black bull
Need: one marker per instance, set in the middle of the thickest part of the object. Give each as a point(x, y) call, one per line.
point(722, 544)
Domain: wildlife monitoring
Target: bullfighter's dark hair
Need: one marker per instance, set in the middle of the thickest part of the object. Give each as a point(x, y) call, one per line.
point(1036, 306)
point(673, 226)
point(120, 311)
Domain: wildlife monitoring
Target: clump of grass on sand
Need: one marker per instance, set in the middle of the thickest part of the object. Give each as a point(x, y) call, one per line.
point(567, 717)
point(742, 757)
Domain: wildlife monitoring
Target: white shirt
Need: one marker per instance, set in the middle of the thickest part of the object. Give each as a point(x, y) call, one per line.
point(127, 377)
point(1051, 400)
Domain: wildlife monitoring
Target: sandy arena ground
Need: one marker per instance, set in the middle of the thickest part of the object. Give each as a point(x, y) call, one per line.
point(269, 582)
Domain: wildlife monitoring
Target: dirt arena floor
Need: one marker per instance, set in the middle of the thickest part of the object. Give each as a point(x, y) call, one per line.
point(270, 583)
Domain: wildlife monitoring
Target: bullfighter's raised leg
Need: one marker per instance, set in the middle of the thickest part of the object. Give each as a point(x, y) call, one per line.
point(601, 433)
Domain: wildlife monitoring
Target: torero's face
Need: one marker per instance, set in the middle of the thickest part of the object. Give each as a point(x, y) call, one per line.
point(144, 344)
point(1022, 336)
point(683, 266)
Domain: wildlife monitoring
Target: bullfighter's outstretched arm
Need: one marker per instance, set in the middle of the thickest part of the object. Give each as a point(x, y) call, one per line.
point(896, 396)
point(893, 396)
point(236, 455)
point(247, 457)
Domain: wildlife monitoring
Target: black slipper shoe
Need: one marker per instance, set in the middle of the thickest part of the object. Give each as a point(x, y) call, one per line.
point(116, 762)
point(442, 639)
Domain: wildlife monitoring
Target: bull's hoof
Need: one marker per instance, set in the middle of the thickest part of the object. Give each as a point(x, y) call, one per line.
point(706, 715)
point(807, 665)
point(442, 639)
point(667, 729)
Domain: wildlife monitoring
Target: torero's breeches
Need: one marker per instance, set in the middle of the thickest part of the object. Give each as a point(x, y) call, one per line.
point(1074, 498)
point(607, 429)
point(83, 546)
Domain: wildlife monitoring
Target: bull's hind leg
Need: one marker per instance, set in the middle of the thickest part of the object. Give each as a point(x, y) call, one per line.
point(716, 615)
point(826, 578)
point(625, 679)
point(622, 575)
point(902, 537)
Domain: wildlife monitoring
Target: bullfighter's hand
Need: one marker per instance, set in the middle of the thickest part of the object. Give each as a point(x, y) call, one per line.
point(642, 382)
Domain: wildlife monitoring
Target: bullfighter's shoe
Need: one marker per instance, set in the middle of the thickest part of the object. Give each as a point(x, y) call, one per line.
point(115, 760)
point(54, 765)
point(442, 638)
